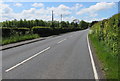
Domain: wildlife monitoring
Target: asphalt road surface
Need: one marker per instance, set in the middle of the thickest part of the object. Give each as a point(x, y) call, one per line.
point(61, 57)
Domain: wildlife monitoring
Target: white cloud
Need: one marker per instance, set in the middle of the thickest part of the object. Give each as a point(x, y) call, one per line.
point(93, 14)
point(4, 9)
point(38, 5)
point(77, 6)
point(18, 4)
point(6, 12)
point(69, 18)
point(29, 11)
point(94, 8)
point(43, 13)
point(33, 13)
point(61, 9)
point(88, 19)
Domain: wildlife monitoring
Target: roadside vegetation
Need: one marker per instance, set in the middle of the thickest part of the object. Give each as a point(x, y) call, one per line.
point(20, 30)
point(104, 36)
point(18, 38)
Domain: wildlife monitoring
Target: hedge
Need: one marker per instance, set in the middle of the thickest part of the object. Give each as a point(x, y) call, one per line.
point(107, 31)
point(7, 32)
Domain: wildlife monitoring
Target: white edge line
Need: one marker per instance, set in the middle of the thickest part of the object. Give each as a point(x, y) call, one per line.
point(92, 61)
point(61, 41)
point(26, 60)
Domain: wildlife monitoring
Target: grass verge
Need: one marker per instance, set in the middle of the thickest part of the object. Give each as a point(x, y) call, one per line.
point(17, 38)
point(108, 60)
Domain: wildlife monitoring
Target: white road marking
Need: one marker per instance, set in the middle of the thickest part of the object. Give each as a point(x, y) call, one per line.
point(61, 41)
point(92, 61)
point(27, 60)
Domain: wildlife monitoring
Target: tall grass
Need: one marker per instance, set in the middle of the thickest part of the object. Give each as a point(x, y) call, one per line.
point(108, 59)
point(17, 38)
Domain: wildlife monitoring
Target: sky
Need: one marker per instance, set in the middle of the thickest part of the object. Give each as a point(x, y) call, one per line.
point(60, 0)
point(88, 11)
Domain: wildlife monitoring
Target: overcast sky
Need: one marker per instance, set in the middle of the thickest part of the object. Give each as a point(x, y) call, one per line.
point(88, 11)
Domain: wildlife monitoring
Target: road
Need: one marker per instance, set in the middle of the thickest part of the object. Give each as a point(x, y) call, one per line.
point(64, 56)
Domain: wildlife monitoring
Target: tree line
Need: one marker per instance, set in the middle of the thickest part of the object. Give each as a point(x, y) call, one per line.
point(23, 23)
point(18, 28)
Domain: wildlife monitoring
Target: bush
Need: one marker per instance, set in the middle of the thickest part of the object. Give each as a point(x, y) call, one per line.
point(107, 31)
point(7, 32)
point(47, 31)
point(42, 31)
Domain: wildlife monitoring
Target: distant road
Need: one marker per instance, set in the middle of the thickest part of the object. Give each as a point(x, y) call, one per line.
point(62, 57)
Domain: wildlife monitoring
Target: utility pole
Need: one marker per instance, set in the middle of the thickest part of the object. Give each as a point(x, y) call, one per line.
point(52, 16)
point(61, 17)
point(61, 21)
point(52, 19)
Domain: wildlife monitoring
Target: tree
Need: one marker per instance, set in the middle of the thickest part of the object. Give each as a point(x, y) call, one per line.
point(63, 24)
point(36, 22)
point(93, 22)
point(83, 24)
point(72, 24)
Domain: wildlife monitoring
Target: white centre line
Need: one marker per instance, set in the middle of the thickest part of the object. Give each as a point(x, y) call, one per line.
point(27, 60)
point(61, 41)
point(92, 61)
